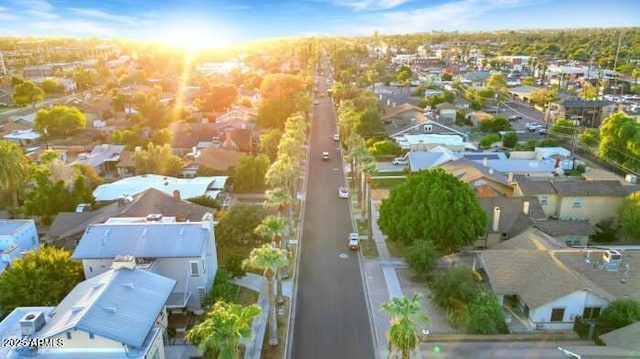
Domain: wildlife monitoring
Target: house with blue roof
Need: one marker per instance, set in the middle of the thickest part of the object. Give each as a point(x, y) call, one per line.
point(16, 236)
point(182, 251)
point(118, 314)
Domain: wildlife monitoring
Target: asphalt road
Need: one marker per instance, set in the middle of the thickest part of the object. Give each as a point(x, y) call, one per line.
point(331, 319)
point(496, 350)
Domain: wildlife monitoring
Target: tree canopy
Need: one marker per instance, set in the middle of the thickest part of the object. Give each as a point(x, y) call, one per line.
point(250, 173)
point(629, 216)
point(620, 140)
point(236, 226)
point(618, 314)
point(157, 160)
point(434, 206)
point(217, 97)
point(15, 170)
point(60, 120)
point(41, 278)
point(26, 93)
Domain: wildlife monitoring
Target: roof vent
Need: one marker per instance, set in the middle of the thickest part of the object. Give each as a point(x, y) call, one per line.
point(32, 322)
point(128, 285)
point(76, 309)
point(109, 309)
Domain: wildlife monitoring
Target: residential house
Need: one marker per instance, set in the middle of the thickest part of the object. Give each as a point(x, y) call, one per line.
point(186, 136)
point(216, 158)
point(117, 314)
point(426, 142)
point(528, 168)
point(569, 233)
point(103, 158)
point(188, 187)
point(182, 251)
point(400, 118)
point(10, 127)
point(436, 156)
point(537, 287)
point(573, 199)
point(67, 228)
point(28, 119)
point(16, 236)
point(446, 113)
point(522, 93)
point(478, 177)
point(625, 337)
point(477, 117)
point(251, 95)
point(430, 127)
point(476, 78)
point(91, 112)
point(508, 217)
point(126, 166)
point(246, 114)
point(589, 113)
point(620, 343)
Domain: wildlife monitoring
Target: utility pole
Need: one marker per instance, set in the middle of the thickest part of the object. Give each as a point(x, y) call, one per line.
point(2, 65)
point(615, 64)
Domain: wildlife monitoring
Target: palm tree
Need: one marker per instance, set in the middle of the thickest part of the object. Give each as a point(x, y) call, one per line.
point(269, 259)
point(278, 197)
point(405, 314)
point(283, 172)
point(15, 169)
point(225, 325)
point(367, 168)
point(274, 228)
point(635, 74)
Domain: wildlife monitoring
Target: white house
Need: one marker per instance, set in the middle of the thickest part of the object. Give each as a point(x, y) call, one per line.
point(118, 314)
point(182, 251)
point(16, 236)
point(425, 142)
point(187, 187)
point(542, 290)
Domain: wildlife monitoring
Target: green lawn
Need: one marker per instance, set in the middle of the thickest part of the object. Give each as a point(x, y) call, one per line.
point(368, 249)
point(387, 183)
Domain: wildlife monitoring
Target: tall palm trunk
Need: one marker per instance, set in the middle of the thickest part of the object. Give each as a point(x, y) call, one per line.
point(279, 297)
point(273, 319)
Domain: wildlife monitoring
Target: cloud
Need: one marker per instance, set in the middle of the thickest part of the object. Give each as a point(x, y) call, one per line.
point(75, 27)
point(454, 15)
point(361, 5)
point(38, 9)
point(41, 14)
point(97, 14)
point(35, 5)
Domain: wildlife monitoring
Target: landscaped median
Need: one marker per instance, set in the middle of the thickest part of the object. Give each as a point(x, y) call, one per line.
point(562, 336)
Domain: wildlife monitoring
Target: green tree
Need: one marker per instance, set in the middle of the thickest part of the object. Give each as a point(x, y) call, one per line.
point(528, 81)
point(282, 173)
point(52, 87)
point(221, 290)
point(618, 314)
point(205, 201)
point(369, 123)
point(233, 265)
point(15, 170)
point(403, 75)
point(433, 205)
point(26, 93)
point(279, 197)
point(620, 137)
point(590, 137)
point(497, 82)
point(422, 256)
point(543, 96)
point(60, 120)
point(490, 139)
point(385, 147)
point(589, 91)
point(223, 328)
point(84, 79)
point(629, 216)
point(454, 287)
point(161, 137)
point(486, 315)
point(564, 127)
point(496, 124)
point(269, 259)
point(405, 314)
point(236, 226)
point(157, 160)
point(274, 228)
point(250, 173)
point(218, 97)
point(41, 278)
point(510, 139)
point(269, 141)
point(130, 138)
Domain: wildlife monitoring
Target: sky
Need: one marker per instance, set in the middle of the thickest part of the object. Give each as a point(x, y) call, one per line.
point(223, 22)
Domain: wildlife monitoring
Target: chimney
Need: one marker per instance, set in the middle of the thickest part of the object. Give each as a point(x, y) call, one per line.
point(176, 194)
point(485, 162)
point(496, 219)
point(510, 177)
point(525, 207)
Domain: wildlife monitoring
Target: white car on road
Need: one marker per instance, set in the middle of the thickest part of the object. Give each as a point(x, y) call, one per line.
point(343, 192)
point(354, 241)
point(400, 161)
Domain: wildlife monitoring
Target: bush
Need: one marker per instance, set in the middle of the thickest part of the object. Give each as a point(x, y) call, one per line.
point(386, 147)
point(234, 266)
point(222, 289)
point(488, 140)
point(454, 287)
point(606, 231)
point(510, 139)
point(421, 256)
point(618, 314)
point(486, 315)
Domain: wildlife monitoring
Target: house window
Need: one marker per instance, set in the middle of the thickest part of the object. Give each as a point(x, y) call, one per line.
point(557, 314)
point(428, 128)
point(544, 200)
point(577, 202)
point(591, 312)
point(572, 241)
point(90, 269)
point(91, 336)
point(194, 268)
point(69, 335)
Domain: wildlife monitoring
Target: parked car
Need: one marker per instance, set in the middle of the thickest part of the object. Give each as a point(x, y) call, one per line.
point(400, 161)
point(354, 241)
point(515, 118)
point(316, 102)
point(343, 192)
point(325, 156)
point(336, 137)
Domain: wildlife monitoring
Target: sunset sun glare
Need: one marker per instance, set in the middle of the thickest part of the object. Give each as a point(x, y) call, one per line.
point(194, 37)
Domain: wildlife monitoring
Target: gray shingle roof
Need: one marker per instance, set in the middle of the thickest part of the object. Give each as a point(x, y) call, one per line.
point(571, 187)
point(149, 239)
point(512, 218)
point(625, 337)
point(566, 228)
point(10, 226)
point(535, 275)
point(121, 305)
